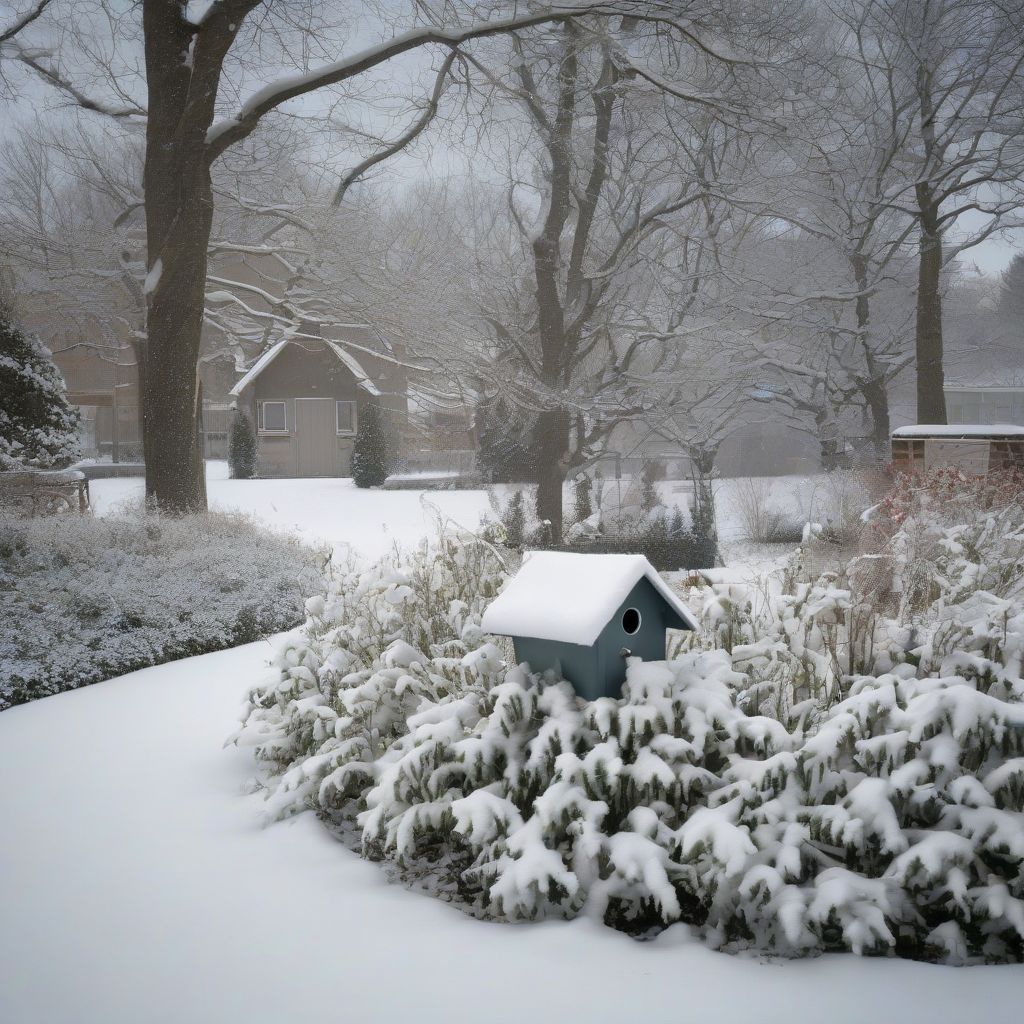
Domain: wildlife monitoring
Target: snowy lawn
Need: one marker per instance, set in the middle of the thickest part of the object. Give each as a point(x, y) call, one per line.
point(328, 510)
point(136, 885)
point(370, 521)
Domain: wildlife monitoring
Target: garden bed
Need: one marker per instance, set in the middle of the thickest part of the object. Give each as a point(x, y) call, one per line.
point(832, 762)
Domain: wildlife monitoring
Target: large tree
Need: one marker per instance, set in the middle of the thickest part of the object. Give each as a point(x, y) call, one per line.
point(192, 65)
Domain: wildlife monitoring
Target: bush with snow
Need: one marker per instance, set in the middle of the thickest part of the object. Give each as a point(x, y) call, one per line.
point(85, 599)
point(833, 785)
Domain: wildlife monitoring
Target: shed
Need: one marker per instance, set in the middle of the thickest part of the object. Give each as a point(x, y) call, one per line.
point(304, 394)
point(974, 448)
point(583, 615)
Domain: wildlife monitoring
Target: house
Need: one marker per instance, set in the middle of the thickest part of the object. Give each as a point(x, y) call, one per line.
point(583, 615)
point(304, 396)
point(974, 448)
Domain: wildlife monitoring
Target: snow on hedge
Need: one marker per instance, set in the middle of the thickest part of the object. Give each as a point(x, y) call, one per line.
point(84, 599)
point(842, 780)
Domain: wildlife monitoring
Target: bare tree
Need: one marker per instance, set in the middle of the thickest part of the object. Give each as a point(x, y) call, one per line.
point(957, 68)
point(602, 169)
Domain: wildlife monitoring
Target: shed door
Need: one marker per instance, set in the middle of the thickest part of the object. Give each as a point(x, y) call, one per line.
point(316, 437)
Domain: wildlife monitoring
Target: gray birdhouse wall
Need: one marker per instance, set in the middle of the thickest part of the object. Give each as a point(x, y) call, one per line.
point(600, 670)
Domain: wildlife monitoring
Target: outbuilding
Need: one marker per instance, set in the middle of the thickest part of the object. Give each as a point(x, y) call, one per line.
point(974, 448)
point(583, 615)
point(304, 395)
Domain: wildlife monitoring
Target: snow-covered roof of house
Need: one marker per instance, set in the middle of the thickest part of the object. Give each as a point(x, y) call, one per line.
point(960, 430)
point(562, 595)
point(349, 360)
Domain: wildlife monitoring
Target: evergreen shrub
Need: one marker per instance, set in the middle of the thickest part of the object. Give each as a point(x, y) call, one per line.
point(242, 448)
point(372, 450)
point(38, 428)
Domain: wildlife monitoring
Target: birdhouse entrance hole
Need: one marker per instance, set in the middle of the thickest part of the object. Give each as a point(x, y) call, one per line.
point(631, 621)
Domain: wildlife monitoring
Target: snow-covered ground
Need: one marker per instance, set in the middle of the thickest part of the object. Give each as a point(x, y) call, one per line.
point(136, 884)
point(326, 510)
point(335, 511)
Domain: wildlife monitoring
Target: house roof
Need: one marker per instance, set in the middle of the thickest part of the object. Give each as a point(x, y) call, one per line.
point(959, 430)
point(349, 360)
point(570, 597)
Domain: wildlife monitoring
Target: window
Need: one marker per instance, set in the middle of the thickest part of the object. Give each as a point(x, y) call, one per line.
point(346, 417)
point(272, 417)
point(631, 621)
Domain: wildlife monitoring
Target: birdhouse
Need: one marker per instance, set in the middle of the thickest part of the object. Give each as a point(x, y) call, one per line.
point(584, 615)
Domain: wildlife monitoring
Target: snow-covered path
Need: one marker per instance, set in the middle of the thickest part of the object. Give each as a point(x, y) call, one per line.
point(136, 884)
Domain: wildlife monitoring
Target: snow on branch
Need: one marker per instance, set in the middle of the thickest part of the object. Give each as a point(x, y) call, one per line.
point(33, 60)
point(24, 20)
point(227, 132)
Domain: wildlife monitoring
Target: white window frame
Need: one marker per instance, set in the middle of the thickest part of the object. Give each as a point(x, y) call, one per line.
point(261, 429)
point(337, 405)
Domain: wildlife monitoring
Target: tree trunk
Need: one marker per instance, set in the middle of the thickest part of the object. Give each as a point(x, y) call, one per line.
point(179, 217)
point(931, 399)
point(876, 394)
point(702, 515)
point(875, 387)
point(179, 207)
point(551, 443)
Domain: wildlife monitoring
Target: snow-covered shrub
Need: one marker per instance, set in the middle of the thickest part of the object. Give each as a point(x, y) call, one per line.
point(879, 811)
point(84, 599)
point(762, 520)
point(582, 506)
point(938, 537)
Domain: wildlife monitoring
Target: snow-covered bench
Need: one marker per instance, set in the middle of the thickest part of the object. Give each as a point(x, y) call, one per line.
point(44, 492)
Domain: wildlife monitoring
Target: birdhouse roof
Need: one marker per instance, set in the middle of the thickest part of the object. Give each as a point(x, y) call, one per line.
point(569, 597)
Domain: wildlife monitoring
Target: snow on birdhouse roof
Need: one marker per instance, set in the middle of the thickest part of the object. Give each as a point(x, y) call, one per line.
point(569, 597)
point(362, 377)
point(960, 430)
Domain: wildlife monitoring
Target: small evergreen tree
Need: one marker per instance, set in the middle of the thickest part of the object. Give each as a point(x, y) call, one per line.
point(242, 448)
point(371, 453)
point(583, 507)
point(514, 521)
point(649, 497)
point(38, 428)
